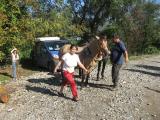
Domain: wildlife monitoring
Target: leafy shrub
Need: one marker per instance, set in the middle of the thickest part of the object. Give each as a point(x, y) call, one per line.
point(151, 50)
point(2, 55)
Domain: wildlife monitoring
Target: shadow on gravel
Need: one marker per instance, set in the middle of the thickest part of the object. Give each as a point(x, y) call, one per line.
point(5, 74)
point(50, 81)
point(101, 86)
point(152, 89)
point(41, 90)
point(45, 91)
point(144, 72)
point(149, 67)
point(155, 61)
point(28, 64)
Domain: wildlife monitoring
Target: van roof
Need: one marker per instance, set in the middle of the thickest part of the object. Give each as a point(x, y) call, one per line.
point(47, 39)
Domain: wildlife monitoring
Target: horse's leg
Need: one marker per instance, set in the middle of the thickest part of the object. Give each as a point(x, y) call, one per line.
point(80, 73)
point(62, 76)
point(103, 67)
point(99, 68)
point(82, 78)
point(87, 78)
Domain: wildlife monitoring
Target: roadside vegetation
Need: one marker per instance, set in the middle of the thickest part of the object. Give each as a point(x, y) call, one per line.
point(21, 21)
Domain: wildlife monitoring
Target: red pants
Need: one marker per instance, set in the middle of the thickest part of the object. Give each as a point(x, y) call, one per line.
point(70, 80)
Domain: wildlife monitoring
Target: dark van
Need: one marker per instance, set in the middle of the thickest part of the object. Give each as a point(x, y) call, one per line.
point(46, 51)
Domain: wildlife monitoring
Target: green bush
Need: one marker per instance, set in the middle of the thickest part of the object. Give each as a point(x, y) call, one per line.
point(151, 50)
point(25, 54)
point(4, 79)
point(73, 41)
point(2, 55)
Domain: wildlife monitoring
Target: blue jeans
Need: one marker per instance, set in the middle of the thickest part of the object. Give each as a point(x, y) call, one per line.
point(14, 70)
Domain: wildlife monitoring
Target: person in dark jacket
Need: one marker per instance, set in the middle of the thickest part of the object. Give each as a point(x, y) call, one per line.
point(118, 53)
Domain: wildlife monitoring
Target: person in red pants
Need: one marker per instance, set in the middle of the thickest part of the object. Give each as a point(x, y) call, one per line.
point(69, 61)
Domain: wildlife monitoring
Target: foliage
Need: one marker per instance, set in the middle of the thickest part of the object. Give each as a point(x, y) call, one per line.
point(90, 13)
point(151, 50)
point(137, 23)
point(4, 79)
point(21, 21)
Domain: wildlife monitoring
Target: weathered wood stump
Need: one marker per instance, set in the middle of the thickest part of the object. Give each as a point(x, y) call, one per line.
point(4, 95)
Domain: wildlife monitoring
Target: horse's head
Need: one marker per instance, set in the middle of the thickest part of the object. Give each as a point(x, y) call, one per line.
point(102, 44)
point(95, 49)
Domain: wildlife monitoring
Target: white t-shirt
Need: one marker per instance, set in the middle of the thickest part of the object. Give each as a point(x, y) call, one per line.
point(15, 57)
point(70, 62)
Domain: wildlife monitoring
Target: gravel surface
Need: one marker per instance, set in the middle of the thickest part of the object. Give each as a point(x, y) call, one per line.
point(138, 97)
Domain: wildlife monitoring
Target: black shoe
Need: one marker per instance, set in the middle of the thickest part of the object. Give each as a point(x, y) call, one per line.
point(61, 94)
point(75, 99)
point(114, 89)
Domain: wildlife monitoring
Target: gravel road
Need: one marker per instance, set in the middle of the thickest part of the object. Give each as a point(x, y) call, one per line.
point(138, 98)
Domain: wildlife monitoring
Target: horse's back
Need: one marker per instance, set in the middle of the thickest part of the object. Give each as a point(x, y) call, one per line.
point(66, 48)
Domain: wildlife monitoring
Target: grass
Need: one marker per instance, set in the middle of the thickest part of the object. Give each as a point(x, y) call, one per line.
point(6, 72)
point(4, 79)
point(141, 56)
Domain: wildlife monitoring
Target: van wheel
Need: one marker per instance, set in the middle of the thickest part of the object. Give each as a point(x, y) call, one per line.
point(51, 66)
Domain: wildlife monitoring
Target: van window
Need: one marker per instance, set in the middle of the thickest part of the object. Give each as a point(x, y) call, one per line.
point(40, 48)
point(52, 46)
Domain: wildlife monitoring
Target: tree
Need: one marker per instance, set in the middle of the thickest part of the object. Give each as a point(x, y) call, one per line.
point(90, 13)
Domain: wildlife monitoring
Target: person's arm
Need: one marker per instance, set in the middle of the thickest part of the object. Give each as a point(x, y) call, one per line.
point(124, 50)
point(12, 56)
point(126, 56)
point(17, 58)
point(82, 66)
point(58, 65)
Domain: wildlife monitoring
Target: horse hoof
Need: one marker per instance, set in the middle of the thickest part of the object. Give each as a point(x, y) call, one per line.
point(4, 98)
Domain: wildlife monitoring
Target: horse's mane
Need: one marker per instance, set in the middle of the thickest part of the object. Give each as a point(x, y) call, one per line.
point(92, 46)
point(89, 53)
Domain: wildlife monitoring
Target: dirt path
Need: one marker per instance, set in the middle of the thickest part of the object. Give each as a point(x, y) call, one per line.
point(138, 98)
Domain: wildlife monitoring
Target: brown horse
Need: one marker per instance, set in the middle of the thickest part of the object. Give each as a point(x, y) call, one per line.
point(89, 55)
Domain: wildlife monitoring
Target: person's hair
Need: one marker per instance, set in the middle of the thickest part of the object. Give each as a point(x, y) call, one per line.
point(116, 36)
point(72, 46)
